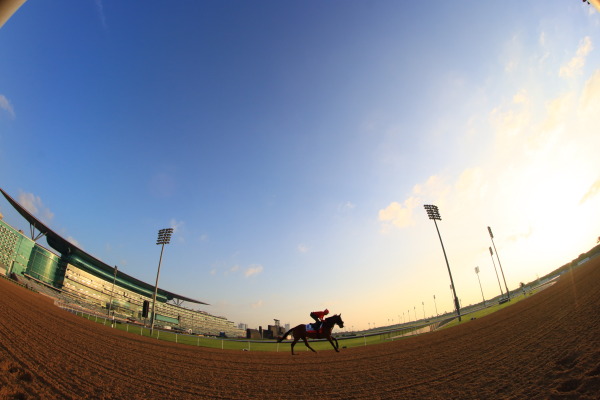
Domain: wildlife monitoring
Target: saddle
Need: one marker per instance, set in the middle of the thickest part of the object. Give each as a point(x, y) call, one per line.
point(314, 328)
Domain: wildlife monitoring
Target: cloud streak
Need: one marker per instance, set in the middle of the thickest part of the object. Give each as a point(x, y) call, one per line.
point(6, 106)
point(593, 191)
point(576, 64)
point(34, 205)
point(253, 270)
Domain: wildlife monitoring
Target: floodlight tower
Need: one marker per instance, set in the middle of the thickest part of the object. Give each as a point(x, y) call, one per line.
point(434, 214)
point(112, 293)
point(477, 272)
point(164, 237)
point(499, 264)
point(496, 270)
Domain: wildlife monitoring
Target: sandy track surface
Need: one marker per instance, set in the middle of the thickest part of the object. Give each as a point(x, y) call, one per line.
point(544, 347)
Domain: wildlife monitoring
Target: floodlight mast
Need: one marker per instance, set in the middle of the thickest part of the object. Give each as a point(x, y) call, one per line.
point(499, 264)
point(112, 294)
point(477, 273)
point(496, 270)
point(434, 214)
point(164, 237)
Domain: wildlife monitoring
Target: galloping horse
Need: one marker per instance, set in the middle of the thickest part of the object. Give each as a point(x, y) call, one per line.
point(299, 332)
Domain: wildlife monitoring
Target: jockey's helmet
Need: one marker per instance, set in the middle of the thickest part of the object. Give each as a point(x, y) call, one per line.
point(326, 312)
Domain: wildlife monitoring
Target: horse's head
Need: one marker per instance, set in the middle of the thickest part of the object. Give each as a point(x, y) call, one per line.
point(336, 319)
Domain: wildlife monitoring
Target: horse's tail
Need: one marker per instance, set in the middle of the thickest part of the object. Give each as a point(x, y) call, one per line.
point(280, 338)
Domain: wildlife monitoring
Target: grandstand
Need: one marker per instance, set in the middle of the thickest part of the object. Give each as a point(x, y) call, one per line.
point(75, 277)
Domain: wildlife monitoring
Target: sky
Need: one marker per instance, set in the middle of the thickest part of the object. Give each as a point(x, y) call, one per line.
point(292, 146)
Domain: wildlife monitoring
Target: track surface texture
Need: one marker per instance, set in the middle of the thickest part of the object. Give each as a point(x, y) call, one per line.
point(544, 347)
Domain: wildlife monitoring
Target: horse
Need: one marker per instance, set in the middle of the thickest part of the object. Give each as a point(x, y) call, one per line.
point(299, 332)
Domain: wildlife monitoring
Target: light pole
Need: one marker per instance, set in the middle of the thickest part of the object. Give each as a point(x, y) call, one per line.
point(499, 264)
point(435, 303)
point(423, 309)
point(112, 293)
point(415, 310)
point(164, 237)
point(497, 277)
point(434, 214)
point(477, 272)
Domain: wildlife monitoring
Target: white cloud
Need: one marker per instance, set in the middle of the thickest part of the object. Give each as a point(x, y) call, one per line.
point(347, 206)
point(590, 98)
point(6, 106)
point(401, 215)
point(74, 241)
point(397, 214)
point(593, 191)
point(176, 225)
point(576, 64)
point(178, 228)
point(100, 8)
point(471, 184)
point(302, 248)
point(257, 304)
point(34, 205)
point(253, 270)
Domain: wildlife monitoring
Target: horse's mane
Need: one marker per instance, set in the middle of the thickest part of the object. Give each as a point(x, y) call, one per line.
point(335, 316)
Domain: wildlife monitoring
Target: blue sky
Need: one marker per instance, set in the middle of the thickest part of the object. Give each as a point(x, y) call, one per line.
point(292, 145)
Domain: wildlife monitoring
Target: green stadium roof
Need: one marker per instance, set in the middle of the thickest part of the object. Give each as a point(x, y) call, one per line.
point(63, 246)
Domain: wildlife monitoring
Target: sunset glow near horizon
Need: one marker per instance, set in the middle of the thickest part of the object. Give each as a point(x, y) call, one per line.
point(292, 146)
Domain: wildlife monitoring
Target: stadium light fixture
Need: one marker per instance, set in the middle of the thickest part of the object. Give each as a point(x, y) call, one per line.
point(434, 214)
point(499, 264)
point(435, 303)
point(164, 237)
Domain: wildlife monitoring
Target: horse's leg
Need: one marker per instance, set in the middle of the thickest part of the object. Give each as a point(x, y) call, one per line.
point(337, 346)
point(308, 345)
point(293, 344)
point(331, 339)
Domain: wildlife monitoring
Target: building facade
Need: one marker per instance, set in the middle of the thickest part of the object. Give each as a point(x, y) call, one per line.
point(75, 275)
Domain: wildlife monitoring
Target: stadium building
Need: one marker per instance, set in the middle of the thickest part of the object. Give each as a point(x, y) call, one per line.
point(75, 276)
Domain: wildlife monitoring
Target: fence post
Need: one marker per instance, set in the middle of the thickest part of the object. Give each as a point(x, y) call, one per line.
point(365, 337)
point(222, 341)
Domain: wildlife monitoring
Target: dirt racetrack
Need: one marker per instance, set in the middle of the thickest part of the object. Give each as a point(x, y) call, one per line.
point(544, 347)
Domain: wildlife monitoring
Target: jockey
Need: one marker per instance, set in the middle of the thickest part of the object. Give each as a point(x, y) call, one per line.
point(319, 316)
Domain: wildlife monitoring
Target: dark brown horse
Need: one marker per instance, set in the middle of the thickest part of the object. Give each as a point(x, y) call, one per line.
point(299, 332)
